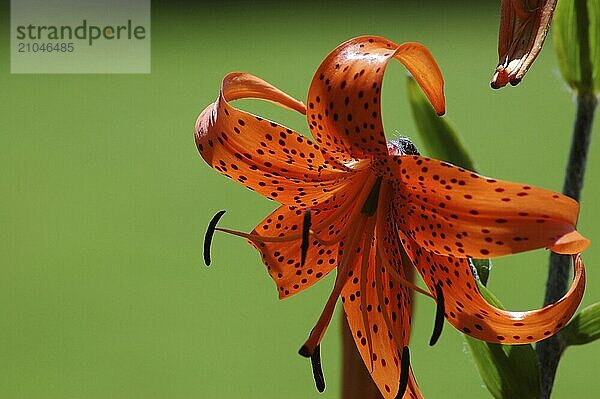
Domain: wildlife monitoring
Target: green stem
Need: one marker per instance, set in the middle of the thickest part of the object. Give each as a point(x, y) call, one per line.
point(550, 350)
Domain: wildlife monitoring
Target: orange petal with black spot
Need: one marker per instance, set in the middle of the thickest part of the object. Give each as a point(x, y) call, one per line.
point(378, 308)
point(344, 99)
point(452, 211)
point(470, 313)
point(282, 259)
point(262, 155)
point(367, 321)
point(379, 351)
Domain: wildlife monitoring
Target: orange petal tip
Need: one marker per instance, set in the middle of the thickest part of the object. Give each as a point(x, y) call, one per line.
point(570, 243)
point(439, 103)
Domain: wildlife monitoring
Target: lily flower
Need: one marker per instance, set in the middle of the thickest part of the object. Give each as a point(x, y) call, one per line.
point(524, 25)
point(377, 211)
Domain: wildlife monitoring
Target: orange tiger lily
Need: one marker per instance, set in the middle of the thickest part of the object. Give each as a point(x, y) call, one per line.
point(376, 210)
point(524, 25)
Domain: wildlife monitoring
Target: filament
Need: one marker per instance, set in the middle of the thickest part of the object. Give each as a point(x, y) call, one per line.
point(318, 331)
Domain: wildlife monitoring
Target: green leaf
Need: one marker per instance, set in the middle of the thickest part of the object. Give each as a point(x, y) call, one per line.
point(441, 140)
point(577, 42)
point(584, 327)
point(508, 371)
point(489, 296)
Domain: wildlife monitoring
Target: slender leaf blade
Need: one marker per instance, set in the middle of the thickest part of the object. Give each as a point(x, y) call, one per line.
point(584, 327)
point(568, 44)
point(441, 139)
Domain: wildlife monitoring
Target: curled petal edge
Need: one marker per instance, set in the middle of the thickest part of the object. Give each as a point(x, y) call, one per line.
point(420, 63)
point(344, 98)
point(237, 85)
point(570, 243)
point(547, 320)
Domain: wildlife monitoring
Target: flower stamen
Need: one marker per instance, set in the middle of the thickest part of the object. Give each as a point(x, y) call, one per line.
point(399, 279)
point(362, 197)
point(257, 238)
point(363, 298)
point(379, 288)
point(320, 327)
point(358, 197)
point(305, 236)
point(315, 361)
point(439, 316)
point(381, 254)
point(370, 206)
point(404, 372)
point(210, 231)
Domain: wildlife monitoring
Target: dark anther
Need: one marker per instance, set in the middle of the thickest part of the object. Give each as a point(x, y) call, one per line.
point(210, 231)
point(404, 372)
point(305, 236)
point(304, 352)
point(370, 206)
point(315, 361)
point(439, 316)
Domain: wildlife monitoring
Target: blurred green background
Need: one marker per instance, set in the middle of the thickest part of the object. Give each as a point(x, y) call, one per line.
point(105, 202)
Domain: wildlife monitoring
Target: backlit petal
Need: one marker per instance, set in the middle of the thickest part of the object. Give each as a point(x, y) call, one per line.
point(470, 313)
point(282, 259)
point(452, 211)
point(378, 308)
point(262, 155)
point(367, 321)
point(344, 110)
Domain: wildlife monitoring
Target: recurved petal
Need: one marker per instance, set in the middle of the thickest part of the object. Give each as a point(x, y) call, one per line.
point(344, 112)
point(263, 155)
point(470, 313)
point(454, 212)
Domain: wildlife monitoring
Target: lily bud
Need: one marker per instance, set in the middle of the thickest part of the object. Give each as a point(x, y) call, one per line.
point(524, 25)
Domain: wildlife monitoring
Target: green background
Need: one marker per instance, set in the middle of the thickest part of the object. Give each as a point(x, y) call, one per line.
point(105, 201)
